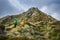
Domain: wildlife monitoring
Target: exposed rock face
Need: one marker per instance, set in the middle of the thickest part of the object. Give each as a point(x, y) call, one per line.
point(32, 24)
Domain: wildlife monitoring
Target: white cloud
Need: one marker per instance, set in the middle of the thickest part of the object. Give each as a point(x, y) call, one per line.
point(55, 15)
point(44, 9)
point(17, 5)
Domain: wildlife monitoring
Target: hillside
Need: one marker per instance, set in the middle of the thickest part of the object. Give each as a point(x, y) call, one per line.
point(32, 25)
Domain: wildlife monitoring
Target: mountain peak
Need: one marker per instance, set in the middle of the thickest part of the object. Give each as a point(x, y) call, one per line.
point(33, 13)
point(33, 9)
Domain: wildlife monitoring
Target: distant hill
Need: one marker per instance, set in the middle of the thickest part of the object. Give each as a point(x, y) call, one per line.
point(32, 24)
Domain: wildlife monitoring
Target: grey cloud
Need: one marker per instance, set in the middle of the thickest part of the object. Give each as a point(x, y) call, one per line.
point(53, 6)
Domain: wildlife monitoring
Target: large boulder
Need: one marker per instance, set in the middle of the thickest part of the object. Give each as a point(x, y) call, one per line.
point(2, 28)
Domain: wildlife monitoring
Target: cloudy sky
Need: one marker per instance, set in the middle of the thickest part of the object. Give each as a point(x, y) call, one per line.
point(12, 7)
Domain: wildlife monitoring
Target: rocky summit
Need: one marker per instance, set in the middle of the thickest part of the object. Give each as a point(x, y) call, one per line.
point(32, 25)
